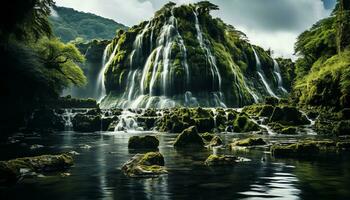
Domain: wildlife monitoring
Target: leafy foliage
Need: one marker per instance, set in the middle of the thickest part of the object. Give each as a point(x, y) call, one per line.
point(322, 71)
point(70, 24)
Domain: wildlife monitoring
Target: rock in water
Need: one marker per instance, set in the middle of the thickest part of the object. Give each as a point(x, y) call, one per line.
point(249, 142)
point(146, 142)
point(189, 138)
point(12, 170)
point(220, 160)
point(216, 141)
point(147, 165)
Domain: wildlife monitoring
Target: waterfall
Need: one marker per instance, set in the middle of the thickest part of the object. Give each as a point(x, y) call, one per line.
point(101, 88)
point(67, 117)
point(127, 122)
point(262, 75)
point(277, 72)
point(211, 59)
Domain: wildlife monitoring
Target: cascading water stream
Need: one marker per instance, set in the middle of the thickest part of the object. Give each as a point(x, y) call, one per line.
point(262, 75)
point(101, 76)
point(277, 72)
point(211, 59)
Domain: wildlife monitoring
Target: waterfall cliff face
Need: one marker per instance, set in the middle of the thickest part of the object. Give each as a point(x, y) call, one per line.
point(184, 57)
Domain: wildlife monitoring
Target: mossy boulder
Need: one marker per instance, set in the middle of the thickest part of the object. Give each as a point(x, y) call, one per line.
point(12, 170)
point(147, 122)
point(220, 160)
point(307, 149)
point(243, 124)
point(249, 142)
point(189, 138)
point(44, 119)
point(216, 141)
point(341, 128)
point(86, 123)
point(288, 115)
point(146, 142)
point(207, 136)
point(302, 149)
point(147, 165)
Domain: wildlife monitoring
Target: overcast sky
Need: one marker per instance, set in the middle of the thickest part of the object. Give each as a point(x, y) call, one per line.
point(271, 24)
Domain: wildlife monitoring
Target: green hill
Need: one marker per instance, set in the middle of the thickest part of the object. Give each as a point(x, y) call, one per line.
point(69, 24)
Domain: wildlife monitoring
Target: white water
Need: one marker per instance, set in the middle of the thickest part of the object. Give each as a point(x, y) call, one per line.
point(262, 75)
point(211, 59)
point(277, 72)
point(101, 76)
point(127, 122)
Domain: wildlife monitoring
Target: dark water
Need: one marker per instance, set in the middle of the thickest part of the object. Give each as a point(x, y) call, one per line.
point(97, 175)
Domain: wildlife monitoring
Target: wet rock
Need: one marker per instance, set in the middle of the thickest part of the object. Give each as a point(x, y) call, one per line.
point(12, 170)
point(302, 149)
point(243, 124)
point(249, 142)
point(288, 115)
point(147, 165)
point(205, 124)
point(86, 123)
point(220, 160)
point(341, 128)
point(146, 142)
point(148, 122)
point(216, 141)
point(189, 138)
point(208, 136)
point(46, 119)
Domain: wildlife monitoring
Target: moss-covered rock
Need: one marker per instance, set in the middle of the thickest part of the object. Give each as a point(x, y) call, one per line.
point(44, 119)
point(306, 149)
point(12, 170)
point(189, 138)
point(216, 141)
point(146, 142)
point(341, 128)
point(244, 124)
point(220, 160)
point(147, 165)
point(207, 136)
point(249, 142)
point(86, 123)
point(288, 115)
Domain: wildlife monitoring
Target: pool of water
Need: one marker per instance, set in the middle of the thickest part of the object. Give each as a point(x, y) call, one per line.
point(97, 175)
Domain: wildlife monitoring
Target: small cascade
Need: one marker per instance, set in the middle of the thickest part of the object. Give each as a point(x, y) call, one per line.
point(101, 88)
point(190, 100)
point(67, 117)
point(127, 122)
point(277, 72)
point(262, 75)
point(211, 59)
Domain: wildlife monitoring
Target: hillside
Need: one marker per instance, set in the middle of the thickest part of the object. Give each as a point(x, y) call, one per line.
point(184, 56)
point(69, 24)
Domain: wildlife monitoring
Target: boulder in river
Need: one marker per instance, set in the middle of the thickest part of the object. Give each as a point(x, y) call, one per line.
point(12, 170)
point(147, 165)
point(189, 138)
point(249, 142)
point(146, 142)
point(220, 160)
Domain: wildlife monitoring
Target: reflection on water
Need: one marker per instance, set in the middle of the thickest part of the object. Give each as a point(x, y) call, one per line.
point(97, 175)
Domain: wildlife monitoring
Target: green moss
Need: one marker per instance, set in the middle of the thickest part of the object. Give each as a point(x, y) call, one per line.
point(289, 131)
point(243, 124)
point(189, 138)
point(208, 136)
point(249, 142)
point(220, 160)
point(152, 158)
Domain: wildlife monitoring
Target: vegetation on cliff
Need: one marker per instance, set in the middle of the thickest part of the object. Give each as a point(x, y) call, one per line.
point(69, 24)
